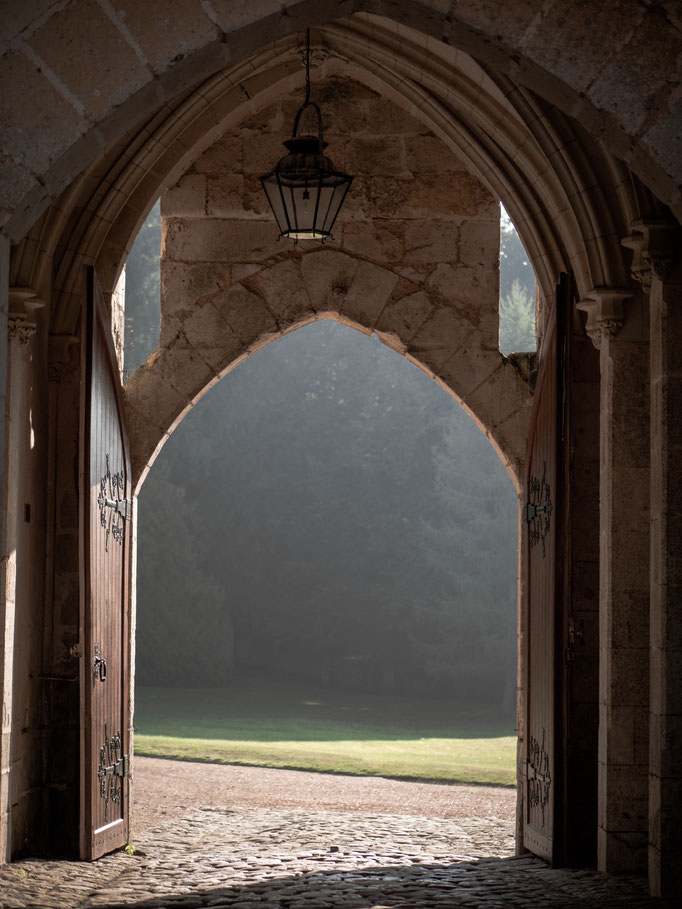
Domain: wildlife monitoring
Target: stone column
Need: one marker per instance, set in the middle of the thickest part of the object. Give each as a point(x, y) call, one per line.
point(6, 621)
point(665, 770)
point(622, 337)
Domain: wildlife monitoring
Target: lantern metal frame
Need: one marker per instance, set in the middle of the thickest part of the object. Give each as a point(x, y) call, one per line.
point(305, 191)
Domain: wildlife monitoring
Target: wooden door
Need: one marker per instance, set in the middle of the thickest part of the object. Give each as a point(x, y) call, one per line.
point(105, 559)
point(542, 516)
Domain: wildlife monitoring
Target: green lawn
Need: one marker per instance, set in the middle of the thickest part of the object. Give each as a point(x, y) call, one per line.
point(292, 726)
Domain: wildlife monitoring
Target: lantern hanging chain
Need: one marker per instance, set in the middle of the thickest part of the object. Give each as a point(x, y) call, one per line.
point(307, 67)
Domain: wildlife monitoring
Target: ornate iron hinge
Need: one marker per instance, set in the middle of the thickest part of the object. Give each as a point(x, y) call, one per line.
point(538, 775)
point(537, 511)
point(113, 767)
point(114, 508)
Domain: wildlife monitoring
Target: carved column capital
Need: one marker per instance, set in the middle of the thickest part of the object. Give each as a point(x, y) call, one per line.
point(21, 321)
point(656, 247)
point(605, 308)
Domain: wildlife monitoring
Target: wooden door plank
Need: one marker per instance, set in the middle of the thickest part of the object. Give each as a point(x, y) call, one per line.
point(542, 517)
point(105, 576)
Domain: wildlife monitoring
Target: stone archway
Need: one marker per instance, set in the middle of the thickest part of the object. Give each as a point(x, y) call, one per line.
point(415, 261)
point(581, 146)
point(226, 326)
point(153, 59)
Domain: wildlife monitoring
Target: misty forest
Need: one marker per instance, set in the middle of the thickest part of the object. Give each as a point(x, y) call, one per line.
point(327, 516)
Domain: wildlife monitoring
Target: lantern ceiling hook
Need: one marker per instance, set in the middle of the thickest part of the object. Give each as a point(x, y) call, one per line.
point(307, 67)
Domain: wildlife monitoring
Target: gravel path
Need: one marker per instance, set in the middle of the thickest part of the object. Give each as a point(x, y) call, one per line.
point(165, 789)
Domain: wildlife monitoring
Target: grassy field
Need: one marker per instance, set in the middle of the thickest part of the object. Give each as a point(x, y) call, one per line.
point(296, 727)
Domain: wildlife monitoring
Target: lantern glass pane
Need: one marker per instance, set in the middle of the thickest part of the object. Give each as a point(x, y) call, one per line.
point(274, 194)
point(305, 204)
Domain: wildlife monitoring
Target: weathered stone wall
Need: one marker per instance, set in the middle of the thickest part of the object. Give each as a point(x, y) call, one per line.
point(415, 259)
point(615, 72)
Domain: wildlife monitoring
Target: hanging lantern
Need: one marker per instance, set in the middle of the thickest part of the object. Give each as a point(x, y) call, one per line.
point(304, 191)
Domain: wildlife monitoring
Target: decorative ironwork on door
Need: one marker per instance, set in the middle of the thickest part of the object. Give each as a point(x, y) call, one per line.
point(538, 510)
point(113, 767)
point(113, 505)
point(538, 774)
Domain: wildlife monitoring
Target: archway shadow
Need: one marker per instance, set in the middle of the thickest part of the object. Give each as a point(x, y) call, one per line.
point(511, 881)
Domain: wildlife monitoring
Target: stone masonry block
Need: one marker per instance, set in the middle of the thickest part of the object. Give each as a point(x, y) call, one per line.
point(52, 124)
point(442, 334)
point(185, 371)
point(426, 154)
point(512, 19)
point(183, 283)
point(328, 276)
point(622, 851)
point(666, 675)
point(187, 199)
point(510, 438)
point(381, 155)
point(150, 403)
point(261, 152)
point(621, 735)
point(629, 676)
point(456, 195)
point(214, 240)
point(167, 33)
point(225, 196)
point(254, 202)
point(206, 327)
point(382, 241)
point(370, 288)
point(282, 287)
point(626, 806)
point(246, 313)
point(576, 49)
point(502, 393)
point(473, 289)
point(630, 429)
point(223, 157)
point(630, 558)
point(236, 14)
point(665, 797)
point(480, 243)
point(405, 316)
point(639, 68)
point(431, 241)
point(70, 43)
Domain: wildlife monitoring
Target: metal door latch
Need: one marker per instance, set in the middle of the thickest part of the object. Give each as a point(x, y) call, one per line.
point(531, 511)
point(99, 669)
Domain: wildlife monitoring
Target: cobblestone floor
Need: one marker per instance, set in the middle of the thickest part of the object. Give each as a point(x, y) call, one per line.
point(255, 858)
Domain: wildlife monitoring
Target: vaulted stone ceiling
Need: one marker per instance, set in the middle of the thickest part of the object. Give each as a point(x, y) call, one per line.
point(93, 71)
point(571, 199)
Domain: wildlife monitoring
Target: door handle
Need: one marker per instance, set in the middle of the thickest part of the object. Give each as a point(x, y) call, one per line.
point(99, 670)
